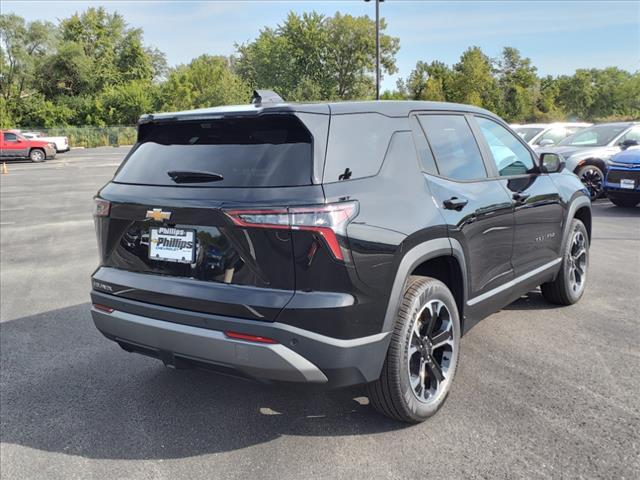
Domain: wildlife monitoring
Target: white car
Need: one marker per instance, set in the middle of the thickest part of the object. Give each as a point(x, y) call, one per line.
point(547, 134)
point(61, 143)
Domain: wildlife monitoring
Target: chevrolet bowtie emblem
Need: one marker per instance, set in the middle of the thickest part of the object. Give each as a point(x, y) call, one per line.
point(158, 215)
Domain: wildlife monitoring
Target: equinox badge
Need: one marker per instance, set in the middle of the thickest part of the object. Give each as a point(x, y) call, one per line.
point(158, 215)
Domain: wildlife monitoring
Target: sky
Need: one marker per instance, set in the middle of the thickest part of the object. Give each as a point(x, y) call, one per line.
point(559, 36)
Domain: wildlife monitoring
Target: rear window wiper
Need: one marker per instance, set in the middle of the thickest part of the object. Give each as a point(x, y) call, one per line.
point(190, 176)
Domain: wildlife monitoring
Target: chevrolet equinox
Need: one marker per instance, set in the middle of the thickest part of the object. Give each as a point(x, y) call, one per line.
point(336, 243)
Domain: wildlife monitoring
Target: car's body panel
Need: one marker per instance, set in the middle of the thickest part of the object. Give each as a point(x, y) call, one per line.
point(624, 168)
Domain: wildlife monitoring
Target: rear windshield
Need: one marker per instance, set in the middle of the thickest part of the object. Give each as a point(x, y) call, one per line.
point(265, 151)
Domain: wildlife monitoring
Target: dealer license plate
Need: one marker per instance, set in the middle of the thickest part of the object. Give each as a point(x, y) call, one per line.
point(172, 244)
point(626, 183)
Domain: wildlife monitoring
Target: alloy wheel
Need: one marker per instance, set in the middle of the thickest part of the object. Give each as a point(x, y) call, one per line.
point(431, 350)
point(592, 179)
point(578, 261)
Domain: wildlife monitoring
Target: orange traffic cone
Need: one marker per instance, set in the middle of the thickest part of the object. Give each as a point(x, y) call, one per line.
point(5, 170)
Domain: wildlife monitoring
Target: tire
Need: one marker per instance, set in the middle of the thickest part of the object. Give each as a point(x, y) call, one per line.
point(570, 283)
point(37, 155)
point(592, 178)
point(624, 202)
point(420, 352)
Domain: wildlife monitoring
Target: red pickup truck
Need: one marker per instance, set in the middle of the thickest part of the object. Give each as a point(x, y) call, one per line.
point(14, 146)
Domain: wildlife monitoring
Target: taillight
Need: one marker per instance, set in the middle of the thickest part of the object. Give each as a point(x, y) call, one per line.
point(101, 207)
point(327, 221)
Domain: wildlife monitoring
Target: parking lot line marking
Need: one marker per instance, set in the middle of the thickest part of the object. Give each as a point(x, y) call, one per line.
point(7, 223)
point(11, 209)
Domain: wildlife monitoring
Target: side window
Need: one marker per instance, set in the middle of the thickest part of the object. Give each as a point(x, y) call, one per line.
point(427, 162)
point(357, 145)
point(555, 135)
point(454, 146)
point(509, 155)
point(633, 134)
point(10, 137)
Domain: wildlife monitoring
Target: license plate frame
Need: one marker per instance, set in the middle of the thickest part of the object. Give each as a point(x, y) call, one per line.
point(176, 253)
point(627, 183)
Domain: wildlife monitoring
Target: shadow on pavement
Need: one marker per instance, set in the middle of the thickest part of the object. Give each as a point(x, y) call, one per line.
point(65, 388)
point(531, 301)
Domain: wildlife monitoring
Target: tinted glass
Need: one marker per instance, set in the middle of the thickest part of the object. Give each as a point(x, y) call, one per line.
point(10, 137)
point(510, 156)
point(527, 133)
point(597, 136)
point(267, 151)
point(454, 146)
point(357, 142)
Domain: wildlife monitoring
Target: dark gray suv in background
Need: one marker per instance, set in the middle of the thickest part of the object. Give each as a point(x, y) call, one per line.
point(336, 244)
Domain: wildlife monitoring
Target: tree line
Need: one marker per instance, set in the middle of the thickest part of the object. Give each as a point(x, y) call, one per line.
point(94, 69)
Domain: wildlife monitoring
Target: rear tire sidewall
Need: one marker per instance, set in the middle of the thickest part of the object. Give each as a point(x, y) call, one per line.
point(36, 155)
point(433, 290)
point(573, 295)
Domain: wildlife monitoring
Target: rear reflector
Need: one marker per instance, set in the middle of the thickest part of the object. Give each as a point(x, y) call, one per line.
point(327, 221)
point(249, 338)
point(102, 308)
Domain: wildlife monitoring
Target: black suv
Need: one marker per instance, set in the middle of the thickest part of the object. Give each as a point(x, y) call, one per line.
point(337, 244)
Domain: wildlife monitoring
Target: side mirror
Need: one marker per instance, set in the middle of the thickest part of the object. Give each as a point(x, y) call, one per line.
point(628, 143)
point(19, 140)
point(551, 162)
point(547, 142)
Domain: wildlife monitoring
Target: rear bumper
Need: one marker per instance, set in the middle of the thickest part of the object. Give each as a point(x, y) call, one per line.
point(298, 356)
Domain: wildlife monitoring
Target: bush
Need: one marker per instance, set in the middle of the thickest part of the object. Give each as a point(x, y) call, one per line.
point(90, 137)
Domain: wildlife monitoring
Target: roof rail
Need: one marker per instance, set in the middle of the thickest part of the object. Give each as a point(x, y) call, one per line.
point(265, 96)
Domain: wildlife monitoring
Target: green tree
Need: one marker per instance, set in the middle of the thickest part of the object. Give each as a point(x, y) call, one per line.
point(518, 83)
point(312, 57)
point(205, 82)
point(473, 81)
point(115, 50)
point(429, 81)
point(22, 45)
point(69, 71)
point(123, 104)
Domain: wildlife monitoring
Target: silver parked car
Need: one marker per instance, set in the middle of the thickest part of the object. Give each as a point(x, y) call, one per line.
point(547, 134)
point(588, 151)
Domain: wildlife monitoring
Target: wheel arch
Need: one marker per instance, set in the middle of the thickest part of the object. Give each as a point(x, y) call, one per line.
point(580, 208)
point(583, 214)
point(439, 258)
point(598, 162)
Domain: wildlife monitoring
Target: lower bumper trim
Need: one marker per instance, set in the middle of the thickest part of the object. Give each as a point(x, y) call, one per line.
point(266, 361)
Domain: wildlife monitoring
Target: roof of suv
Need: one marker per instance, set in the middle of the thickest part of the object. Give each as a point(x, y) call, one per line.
point(389, 108)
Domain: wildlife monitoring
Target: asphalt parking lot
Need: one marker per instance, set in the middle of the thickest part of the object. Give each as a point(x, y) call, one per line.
point(541, 392)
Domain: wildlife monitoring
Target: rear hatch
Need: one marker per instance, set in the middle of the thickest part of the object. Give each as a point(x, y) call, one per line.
point(164, 228)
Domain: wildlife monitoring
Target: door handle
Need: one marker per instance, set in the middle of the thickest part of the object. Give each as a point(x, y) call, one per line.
point(455, 203)
point(520, 197)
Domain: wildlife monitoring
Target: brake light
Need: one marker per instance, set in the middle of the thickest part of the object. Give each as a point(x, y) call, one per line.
point(101, 207)
point(249, 338)
point(328, 221)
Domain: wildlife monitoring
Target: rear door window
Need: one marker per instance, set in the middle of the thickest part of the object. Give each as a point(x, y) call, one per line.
point(264, 151)
point(454, 146)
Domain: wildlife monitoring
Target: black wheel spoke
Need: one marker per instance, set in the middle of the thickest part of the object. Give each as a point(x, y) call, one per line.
point(435, 371)
point(441, 338)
